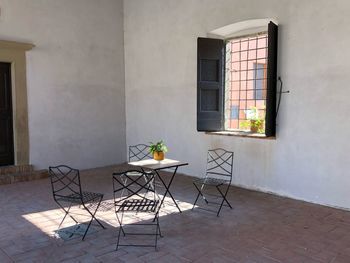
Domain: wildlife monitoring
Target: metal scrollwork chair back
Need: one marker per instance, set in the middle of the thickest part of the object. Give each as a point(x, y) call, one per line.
point(66, 188)
point(219, 172)
point(139, 152)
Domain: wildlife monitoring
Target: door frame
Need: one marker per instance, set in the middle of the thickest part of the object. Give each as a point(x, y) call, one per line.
point(15, 53)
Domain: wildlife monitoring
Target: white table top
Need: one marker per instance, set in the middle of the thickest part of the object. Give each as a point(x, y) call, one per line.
point(158, 165)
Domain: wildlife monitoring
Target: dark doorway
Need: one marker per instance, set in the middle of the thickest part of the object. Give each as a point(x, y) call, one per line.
point(6, 119)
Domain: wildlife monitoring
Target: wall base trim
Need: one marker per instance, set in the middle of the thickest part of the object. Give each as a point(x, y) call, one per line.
point(20, 173)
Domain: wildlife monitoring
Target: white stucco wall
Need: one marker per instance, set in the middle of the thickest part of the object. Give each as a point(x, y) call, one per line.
point(309, 159)
point(75, 78)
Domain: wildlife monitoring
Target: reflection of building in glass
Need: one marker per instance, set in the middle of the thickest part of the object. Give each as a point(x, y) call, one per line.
point(246, 68)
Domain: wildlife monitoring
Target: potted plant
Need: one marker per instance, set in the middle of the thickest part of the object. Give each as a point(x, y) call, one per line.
point(157, 150)
point(256, 123)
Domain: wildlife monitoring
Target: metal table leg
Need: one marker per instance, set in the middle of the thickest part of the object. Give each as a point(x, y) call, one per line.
point(167, 187)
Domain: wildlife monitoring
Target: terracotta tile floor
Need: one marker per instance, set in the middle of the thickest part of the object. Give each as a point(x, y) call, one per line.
point(260, 228)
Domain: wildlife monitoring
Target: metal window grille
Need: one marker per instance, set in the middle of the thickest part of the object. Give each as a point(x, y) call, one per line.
point(246, 80)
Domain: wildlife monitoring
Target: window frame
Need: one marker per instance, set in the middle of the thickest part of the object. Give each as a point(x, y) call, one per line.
point(206, 125)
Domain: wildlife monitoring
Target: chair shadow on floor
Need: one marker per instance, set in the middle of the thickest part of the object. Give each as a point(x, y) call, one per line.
point(75, 231)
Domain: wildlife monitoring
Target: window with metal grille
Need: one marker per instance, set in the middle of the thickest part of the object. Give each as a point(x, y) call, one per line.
point(236, 83)
point(246, 82)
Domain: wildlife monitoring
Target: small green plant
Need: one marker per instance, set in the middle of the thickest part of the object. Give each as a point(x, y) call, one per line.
point(257, 125)
point(157, 147)
point(254, 122)
point(245, 125)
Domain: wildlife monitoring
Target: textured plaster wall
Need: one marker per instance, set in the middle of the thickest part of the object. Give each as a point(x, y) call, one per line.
point(75, 78)
point(309, 159)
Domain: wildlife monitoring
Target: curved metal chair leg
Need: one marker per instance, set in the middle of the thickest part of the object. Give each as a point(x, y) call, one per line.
point(223, 199)
point(120, 230)
point(66, 213)
point(93, 217)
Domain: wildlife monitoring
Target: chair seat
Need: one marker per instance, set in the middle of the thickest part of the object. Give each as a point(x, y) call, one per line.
point(139, 205)
point(133, 173)
point(86, 197)
point(212, 181)
point(146, 173)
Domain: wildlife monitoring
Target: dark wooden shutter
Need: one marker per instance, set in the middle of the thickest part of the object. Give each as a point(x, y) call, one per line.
point(210, 84)
point(270, 120)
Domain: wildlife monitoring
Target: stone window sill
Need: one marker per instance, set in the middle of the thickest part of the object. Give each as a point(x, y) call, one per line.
point(242, 134)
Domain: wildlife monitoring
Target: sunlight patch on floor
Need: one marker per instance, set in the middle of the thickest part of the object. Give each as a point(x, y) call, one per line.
point(49, 220)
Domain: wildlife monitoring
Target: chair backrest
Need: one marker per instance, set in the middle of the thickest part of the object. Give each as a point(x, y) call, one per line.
point(139, 152)
point(219, 164)
point(65, 181)
point(136, 184)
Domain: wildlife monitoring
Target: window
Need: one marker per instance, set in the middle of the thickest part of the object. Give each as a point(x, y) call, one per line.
point(245, 81)
point(237, 83)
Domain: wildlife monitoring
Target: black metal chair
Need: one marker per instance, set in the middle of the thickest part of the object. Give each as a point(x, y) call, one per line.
point(66, 188)
point(218, 174)
point(137, 201)
point(141, 152)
